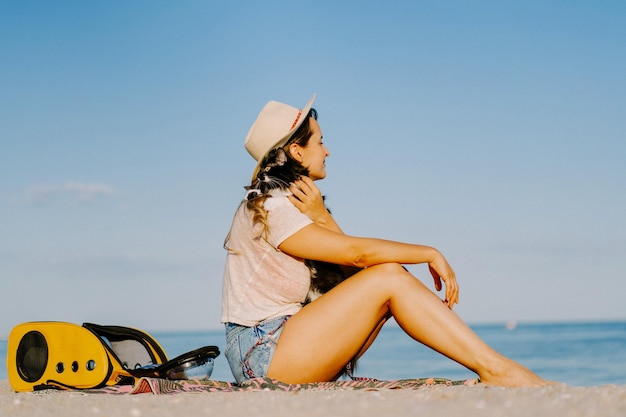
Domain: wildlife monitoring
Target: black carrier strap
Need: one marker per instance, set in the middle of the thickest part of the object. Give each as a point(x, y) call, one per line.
point(117, 334)
point(118, 340)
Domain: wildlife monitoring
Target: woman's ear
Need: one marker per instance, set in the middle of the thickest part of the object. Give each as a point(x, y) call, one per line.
point(295, 151)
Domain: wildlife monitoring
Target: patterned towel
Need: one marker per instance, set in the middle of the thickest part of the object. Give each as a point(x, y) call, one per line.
point(165, 386)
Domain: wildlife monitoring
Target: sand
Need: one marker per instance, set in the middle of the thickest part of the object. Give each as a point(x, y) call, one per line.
point(468, 401)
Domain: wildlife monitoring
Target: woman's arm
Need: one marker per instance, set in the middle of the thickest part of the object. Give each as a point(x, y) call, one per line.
point(307, 198)
point(321, 244)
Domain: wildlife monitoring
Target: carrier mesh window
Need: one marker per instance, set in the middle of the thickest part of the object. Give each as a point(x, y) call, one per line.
point(132, 354)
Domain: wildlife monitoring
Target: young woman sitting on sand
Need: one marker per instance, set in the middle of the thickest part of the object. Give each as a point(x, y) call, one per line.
point(283, 222)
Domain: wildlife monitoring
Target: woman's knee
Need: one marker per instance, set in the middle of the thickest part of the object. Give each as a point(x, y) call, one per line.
point(389, 275)
point(391, 271)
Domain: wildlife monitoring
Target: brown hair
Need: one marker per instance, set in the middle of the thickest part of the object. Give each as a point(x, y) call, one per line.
point(277, 170)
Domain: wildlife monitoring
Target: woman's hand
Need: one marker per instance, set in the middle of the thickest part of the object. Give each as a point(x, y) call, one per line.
point(441, 271)
point(307, 198)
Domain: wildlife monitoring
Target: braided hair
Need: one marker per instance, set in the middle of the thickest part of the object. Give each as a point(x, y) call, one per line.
point(277, 170)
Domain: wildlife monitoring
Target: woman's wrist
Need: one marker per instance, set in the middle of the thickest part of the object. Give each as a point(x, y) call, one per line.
point(431, 254)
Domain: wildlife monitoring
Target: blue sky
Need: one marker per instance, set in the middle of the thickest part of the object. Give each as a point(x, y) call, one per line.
point(493, 130)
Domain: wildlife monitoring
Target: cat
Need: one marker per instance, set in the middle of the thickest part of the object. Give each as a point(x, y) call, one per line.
point(324, 277)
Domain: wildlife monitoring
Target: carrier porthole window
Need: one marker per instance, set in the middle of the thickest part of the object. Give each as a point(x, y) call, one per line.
point(74, 366)
point(32, 356)
point(91, 365)
point(60, 368)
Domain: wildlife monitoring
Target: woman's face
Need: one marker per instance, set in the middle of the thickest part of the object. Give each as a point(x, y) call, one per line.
point(313, 155)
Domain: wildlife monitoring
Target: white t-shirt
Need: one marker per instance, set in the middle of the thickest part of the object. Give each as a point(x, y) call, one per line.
point(260, 281)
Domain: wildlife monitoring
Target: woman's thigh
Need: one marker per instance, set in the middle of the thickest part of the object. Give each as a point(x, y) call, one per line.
point(319, 340)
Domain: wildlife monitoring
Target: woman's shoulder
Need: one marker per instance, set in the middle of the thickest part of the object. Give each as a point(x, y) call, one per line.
point(282, 213)
point(278, 198)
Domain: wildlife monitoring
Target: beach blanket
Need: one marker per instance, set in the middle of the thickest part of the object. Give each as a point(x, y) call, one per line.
point(165, 386)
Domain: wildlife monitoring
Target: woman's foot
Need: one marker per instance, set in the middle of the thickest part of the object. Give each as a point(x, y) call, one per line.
point(512, 374)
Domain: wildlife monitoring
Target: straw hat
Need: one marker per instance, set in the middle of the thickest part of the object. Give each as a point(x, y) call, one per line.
point(273, 127)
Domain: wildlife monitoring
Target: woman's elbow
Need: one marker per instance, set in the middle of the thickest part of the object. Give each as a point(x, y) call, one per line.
point(361, 260)
point(361, 256)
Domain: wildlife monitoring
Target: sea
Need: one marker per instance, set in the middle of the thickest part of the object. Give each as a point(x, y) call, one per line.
point(577, 354)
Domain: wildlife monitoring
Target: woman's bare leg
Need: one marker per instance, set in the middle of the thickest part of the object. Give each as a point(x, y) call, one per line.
point(319, 340)
point(372, 337)
point(365, 346)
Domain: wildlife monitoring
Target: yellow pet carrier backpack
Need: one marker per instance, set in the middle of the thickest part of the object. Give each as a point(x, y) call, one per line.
point(47, 355)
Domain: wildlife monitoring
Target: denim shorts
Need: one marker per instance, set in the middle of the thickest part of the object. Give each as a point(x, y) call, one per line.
point(249, 350)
